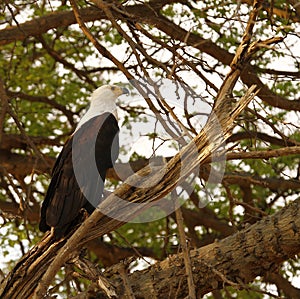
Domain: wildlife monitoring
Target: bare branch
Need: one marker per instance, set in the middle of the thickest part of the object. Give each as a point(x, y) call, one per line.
point(185, 250)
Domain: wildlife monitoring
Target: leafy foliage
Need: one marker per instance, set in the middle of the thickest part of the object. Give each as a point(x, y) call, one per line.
point(48, 77)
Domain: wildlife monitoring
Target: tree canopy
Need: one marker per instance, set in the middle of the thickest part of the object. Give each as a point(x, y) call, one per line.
point(210, 131)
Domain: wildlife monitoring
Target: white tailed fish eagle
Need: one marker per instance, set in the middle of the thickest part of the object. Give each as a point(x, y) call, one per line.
point(98, 132)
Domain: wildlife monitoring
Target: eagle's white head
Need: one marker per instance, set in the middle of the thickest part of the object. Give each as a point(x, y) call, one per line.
point(103, 99)
point(106, 93)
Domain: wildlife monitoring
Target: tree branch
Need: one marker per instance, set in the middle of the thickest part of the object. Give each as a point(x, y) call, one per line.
point(238, 259)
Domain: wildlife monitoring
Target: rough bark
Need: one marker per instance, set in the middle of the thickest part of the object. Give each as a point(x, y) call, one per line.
point(235, 260)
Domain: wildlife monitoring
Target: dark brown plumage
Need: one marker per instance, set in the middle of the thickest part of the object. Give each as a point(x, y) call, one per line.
point(74, 186)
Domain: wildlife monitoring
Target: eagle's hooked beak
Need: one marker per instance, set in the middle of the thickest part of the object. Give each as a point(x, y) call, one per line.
point(125, 90)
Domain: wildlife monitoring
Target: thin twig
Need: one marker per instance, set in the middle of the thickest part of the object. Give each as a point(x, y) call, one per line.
point(102, 50)
point(185, 249)
point(241, 56)
point(9, 110)
point(128, 289)
point(4, 107)
point(231, 204)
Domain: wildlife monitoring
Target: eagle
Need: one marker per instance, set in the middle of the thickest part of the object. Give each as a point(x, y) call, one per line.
point(74, 187)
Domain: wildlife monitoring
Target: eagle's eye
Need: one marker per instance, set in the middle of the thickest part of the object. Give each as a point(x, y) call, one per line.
point(113, 88)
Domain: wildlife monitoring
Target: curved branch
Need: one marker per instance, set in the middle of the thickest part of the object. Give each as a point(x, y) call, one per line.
point(17, 141)
point(249, 77)
point(274, 184)
point(40, 25)
point(22, 165)
point(261, 136)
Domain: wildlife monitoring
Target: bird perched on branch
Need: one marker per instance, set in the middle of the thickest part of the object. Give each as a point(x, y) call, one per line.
point(79, 172)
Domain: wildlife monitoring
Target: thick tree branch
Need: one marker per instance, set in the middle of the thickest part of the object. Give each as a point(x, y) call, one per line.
point(257, 250)
point(32, 213)
point(38, 26)
point(274, 184)
point(265, 154)
point(16, 141)
point(239, 258)
point(23, 165)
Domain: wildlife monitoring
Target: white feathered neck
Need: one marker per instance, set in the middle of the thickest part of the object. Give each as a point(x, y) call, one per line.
point(102, 100)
